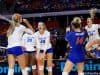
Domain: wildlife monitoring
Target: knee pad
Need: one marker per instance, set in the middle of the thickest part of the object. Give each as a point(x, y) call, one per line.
point(49, 69)
point(27, 68)
point(34, 67)
point(80, 73)
point(41, 67)
point(24, 72)
point(64, 73)
point(10, 71)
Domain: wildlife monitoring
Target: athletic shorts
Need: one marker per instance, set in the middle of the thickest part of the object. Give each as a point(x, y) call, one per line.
point(50, 50)
point(97, 53)
point(76, 60)
point(15, 50)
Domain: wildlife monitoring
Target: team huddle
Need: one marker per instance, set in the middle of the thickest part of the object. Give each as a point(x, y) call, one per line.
point(33, 48)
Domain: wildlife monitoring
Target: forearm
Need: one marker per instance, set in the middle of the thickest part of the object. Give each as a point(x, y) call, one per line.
point(28, 24)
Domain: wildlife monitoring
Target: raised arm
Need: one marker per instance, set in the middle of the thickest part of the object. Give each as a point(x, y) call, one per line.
point(28, 24)
point(92, 12)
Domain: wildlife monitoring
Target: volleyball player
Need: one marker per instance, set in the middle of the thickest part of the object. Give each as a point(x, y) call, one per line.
point(14, 34)
point(93, 32)
point(44, 48)
point(93, 43)
point(29, 43)
point(76, 38)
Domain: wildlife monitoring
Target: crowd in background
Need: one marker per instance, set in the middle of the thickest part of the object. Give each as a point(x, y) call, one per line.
point(37, 6)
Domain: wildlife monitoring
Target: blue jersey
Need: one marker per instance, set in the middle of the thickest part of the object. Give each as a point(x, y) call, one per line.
point(76, 41)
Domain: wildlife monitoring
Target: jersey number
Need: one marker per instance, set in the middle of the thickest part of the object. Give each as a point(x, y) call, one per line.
point(29, 40)
point(42, 41)
point(79, 40)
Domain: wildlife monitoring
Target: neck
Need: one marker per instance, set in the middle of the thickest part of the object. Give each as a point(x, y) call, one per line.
point(90, 25)
point(41, 32)
point(17, 24)
point(77, 30)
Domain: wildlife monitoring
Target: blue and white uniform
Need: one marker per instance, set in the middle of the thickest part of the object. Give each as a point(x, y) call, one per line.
point(94, 35)
point(76, 41)
point(29, 42)
point(93, 32)
point(15, 40)
point(43, 42)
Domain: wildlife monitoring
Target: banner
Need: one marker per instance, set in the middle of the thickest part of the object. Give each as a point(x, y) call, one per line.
point(91, 66)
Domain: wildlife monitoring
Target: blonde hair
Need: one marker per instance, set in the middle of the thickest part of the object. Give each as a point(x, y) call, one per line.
point(13, 23)
point(92, 12)
point(77, 20)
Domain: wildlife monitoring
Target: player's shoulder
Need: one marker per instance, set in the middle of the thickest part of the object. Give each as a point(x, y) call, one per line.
point(22, 26)
point(25, 35)
point(86, 27)
point(47, 32)
point(70, 33)
point(95, 25)
point(28, 29)
point(36, 33)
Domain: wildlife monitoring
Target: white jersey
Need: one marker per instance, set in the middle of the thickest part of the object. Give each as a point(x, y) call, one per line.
point(29, 41)
point(93, 32)
point(43, 40)
point(15, 39)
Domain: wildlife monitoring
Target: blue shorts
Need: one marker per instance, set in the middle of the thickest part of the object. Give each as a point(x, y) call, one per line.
point(15, 50)
point(77, 59)
point(29, 51)
point(97, 53)
point(50, 50)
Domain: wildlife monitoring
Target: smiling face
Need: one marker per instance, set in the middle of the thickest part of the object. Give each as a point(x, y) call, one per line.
point(41, 27)
point(89, 21)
